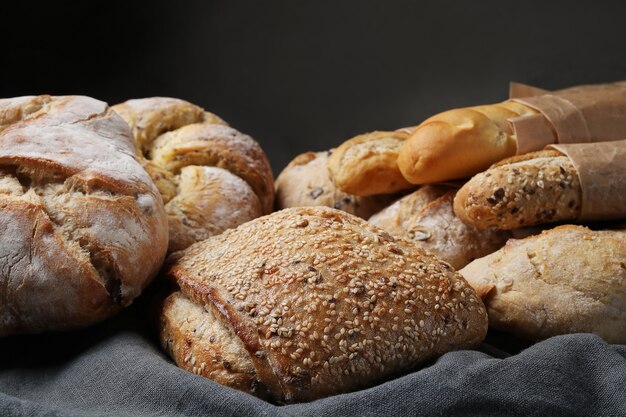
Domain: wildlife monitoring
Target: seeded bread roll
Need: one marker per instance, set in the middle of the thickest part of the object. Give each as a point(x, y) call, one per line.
point(460, 143)
point(83, 226)
point(566, 280)
point(367, 164)
point(426, 219)
point(171, 135)
point(531, 189)
point(305, 182)
point(321, 303)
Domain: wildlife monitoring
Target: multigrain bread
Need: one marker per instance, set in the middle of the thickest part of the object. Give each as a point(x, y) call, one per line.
point(565, 280)
point(526, 190)
point(460, 143)
point(305, 182)
point(83, 226)
point(367, 164)
point(426, 219)
point(175, 138)
point(321, 302)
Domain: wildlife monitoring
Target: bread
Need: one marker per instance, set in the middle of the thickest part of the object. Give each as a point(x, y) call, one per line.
point(566, 280)
point(305, 182)
point(84, 228)
point(460, 143)
point(433, 227)
point(536, 188)
point(321, 302)
point(172, 135)
point(367, 164)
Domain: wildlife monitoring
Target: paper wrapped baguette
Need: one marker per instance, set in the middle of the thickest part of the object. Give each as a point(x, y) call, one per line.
point(567, 182)
point(462, 142)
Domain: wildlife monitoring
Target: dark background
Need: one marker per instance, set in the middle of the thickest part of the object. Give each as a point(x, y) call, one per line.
point(306, 75)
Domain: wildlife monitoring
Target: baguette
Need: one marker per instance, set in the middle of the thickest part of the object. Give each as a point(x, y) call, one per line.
point(526, 190)
point(566, 280)
point(460, 143)
point(311, 301)
point(368, 164)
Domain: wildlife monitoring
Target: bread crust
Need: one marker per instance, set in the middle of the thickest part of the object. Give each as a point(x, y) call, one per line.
point(326, 303)
point(367, 164)
point(84, 228)
point(305, 182)
point(565, 280)
point(426, 219)
point(526, 190)
point(460, 143)
point(172, 136)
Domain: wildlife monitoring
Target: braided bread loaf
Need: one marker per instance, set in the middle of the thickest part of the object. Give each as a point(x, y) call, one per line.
point(211, 176)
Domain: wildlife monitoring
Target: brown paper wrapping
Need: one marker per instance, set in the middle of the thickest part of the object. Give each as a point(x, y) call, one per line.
point(589, 113)
point(601, 169)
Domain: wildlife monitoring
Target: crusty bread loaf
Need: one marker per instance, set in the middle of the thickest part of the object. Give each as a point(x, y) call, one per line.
point(367, 164)
point(321, 302)
point(173, 134)
point(460, 143)
point(531, 189)
point(426, 219)
point(305, 182)
point(566, 280)
point(83, 226)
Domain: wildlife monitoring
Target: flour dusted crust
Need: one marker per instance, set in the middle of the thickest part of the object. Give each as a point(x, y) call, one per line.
point(84, 228)
point(325, 303)
point(565, 280)
point(305, 182)
point(172, 135)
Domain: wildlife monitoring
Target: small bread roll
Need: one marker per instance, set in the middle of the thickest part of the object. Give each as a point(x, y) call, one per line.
point(367, 164)
point(311, 301)
point(83, 226)
point(305, 182)
point(426, 219)
point(460, 143)
point(565, 280)
point(527, 190)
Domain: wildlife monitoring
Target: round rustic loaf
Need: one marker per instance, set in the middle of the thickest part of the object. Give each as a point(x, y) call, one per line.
point(83, 226)
point(312, 301)
point(172, 136)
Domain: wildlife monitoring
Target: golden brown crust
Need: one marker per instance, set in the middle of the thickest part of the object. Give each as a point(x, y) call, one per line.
point(426, 219)
point(566, 280)
point(326, 303)
point(305, 182)
point(367, 164)
point(522, 191)
point(459, 143)
point(172, 134)
point(198, 341)
point(84, 229)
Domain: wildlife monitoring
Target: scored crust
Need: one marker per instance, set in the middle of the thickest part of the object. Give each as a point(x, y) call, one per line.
point(326, 303)
point(84, 229)
point(565, 280)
